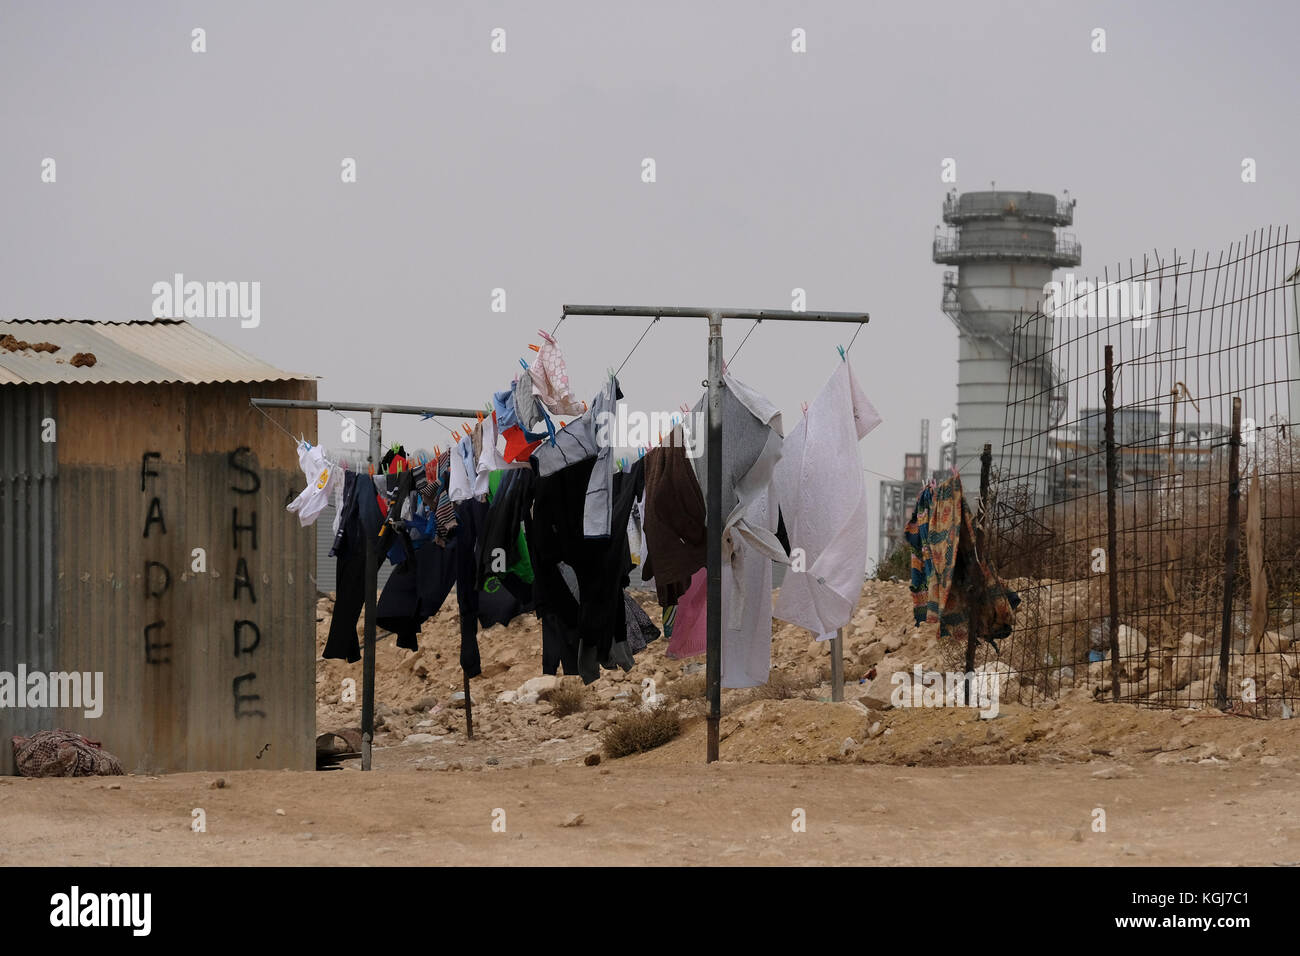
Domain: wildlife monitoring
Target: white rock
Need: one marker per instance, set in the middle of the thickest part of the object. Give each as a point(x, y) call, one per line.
point(1132, 643)
point(536, 684)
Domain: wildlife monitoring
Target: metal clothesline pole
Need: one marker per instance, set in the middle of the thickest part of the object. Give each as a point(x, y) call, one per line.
point(713, 496)
point(372, 548)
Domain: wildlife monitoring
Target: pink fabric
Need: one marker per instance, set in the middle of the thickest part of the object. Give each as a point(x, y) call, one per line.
point(551, 379)
point(689, 632)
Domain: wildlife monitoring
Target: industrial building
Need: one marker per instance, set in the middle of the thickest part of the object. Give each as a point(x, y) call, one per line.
point(1005, 246)
point(144, 539)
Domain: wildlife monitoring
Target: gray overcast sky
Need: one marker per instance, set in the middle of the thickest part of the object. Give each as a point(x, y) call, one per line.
point(522, 171)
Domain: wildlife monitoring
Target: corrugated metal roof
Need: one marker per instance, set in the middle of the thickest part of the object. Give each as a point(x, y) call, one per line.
point(161, 350)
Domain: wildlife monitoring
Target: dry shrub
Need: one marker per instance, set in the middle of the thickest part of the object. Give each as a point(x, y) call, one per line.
point(779, 686)
point(565, 699)
point(636, 731)
point(691, 687)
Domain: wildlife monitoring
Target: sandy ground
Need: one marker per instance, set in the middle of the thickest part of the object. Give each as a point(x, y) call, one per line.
point(801, 781)
point(641, 813)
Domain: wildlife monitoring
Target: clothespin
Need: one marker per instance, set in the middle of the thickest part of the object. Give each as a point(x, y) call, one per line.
point(841, 351)
point(533, 347)
point(640, 452)
point(524, 364)
point(805, 407)
point(685, 408)
point(480, 418)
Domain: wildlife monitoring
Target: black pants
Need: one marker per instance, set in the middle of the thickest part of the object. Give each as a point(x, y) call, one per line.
point(359, 523)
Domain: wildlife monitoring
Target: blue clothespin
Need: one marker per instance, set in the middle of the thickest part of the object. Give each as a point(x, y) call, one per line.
point(523, 363)
point(841, 350)
point(640, 452)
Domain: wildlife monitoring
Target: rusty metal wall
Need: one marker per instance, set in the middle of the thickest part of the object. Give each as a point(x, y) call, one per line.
point(150, 584)
point(28, 517)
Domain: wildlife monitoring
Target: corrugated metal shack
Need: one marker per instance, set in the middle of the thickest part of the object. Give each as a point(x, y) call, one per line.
point(144, 537)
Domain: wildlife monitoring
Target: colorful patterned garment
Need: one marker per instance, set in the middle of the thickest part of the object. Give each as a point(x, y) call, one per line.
point(950, 583)
point(61, 753)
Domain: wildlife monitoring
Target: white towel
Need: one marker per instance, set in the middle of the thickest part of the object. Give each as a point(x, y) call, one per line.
point(823, 498)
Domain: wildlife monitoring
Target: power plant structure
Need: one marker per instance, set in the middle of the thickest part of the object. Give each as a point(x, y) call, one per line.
point(1005, 246)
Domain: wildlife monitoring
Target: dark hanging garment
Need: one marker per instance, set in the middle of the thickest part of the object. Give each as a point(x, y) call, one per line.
point(559, 645)
point(640, 629)
point(674, 522)
point(359, 521)
point(416, 592)
point(511, 501)
point(470, 515)
point(601, 565)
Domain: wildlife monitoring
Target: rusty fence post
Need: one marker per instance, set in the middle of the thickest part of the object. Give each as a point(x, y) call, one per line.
point(1230, 556)
point(1112, 479)
point(986, 465)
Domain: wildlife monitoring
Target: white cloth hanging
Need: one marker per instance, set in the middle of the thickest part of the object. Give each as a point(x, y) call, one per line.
point(823, 498)
point(322, 476)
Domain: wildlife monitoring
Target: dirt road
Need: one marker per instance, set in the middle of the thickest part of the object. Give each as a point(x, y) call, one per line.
point(636, 812)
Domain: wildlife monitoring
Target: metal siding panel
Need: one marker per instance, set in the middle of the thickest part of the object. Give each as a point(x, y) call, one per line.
point(180, 715)
point(28, 521)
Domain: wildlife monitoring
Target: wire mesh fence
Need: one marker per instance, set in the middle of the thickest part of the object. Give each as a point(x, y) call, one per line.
point(1156, 549)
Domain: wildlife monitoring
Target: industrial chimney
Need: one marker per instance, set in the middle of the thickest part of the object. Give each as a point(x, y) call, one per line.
point(1005, 247)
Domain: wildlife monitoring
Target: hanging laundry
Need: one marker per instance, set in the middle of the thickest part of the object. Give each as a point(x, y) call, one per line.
point(527, 408)
point(551, 379)
point(415, 592)
point(601, 565)
point(460, 486)
point(823, 498)
point(688, 636)
point(673, 522)
point(360, 522)
point(503, 546)
point(323, 479)
point(519, 444)
point(584, 438)
point(640, 629)
point(950, 581)
point(750, 451)
point(470, 514)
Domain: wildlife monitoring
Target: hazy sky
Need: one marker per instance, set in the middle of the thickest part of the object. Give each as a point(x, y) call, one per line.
point(522, 171)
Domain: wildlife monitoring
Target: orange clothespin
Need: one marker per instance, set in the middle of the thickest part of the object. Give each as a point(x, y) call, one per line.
point(534, 347)
point(584, 406)
point(370, 469)
point(480, 417)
